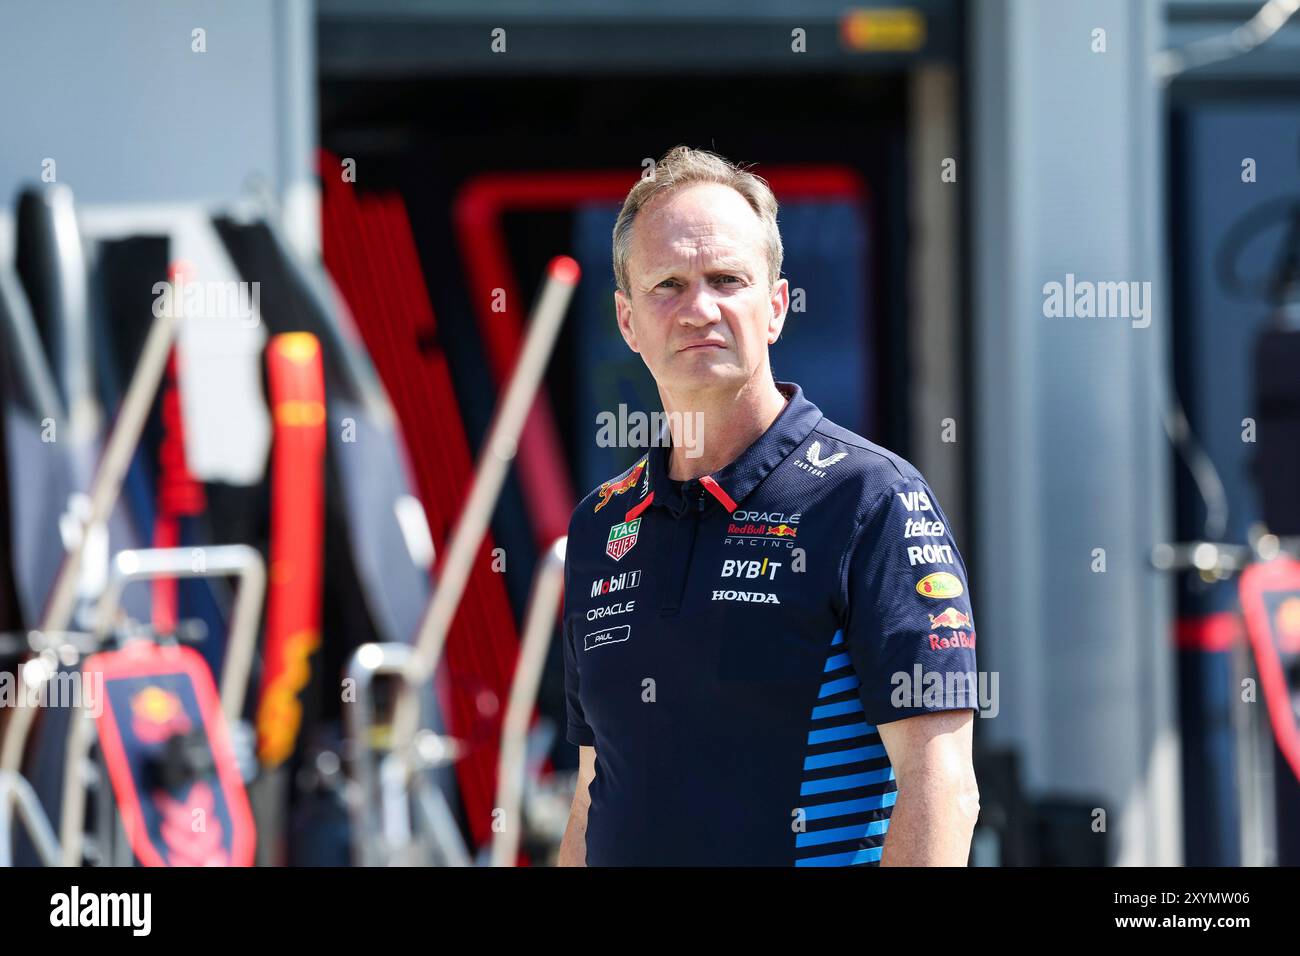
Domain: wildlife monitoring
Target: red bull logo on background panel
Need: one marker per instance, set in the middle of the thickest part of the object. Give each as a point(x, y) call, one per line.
point(157, 714)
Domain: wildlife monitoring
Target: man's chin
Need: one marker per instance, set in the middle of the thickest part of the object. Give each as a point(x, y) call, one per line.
point(701, 373)
point(714, 358)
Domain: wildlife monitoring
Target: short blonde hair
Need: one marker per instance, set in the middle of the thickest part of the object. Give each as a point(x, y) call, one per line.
point(683, 166)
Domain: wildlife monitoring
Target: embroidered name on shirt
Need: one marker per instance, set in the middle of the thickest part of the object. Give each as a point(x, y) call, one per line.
point(610, 635)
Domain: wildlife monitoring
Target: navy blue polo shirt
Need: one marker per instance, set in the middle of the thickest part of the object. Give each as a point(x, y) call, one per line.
point(732, 642)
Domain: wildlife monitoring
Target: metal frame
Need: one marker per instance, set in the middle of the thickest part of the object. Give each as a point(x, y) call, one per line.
point(383, 829)
point(239, 561)
point(227, 560)
point(367, 39)
point(16, 794)
point(378, 805)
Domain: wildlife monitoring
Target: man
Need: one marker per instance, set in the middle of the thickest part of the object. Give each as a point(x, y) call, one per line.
point(748, 617)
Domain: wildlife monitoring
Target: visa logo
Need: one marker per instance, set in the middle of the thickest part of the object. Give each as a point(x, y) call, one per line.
point(914, 500)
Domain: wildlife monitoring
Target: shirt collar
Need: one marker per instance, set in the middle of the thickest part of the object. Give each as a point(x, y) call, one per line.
point(737, 479)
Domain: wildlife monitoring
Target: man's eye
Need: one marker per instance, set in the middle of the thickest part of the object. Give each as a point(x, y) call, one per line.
point(728, 278)
point(667, 282)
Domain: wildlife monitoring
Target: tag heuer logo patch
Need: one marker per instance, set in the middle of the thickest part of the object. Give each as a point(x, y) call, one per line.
point(621, 538)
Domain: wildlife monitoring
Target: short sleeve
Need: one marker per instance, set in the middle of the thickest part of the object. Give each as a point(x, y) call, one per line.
point(578, 733)
point(909, 629)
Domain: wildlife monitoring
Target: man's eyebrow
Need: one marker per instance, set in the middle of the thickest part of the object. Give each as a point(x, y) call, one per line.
point(729, 265)
point(718, 265)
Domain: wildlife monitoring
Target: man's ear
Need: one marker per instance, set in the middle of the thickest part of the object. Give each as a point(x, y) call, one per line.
point(780, 305)
point(623, 306)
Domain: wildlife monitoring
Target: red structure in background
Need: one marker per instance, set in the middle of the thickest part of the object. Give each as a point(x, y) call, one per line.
point(296, 381)
point(1270, 604)
point(370, 252)
point(180, 495)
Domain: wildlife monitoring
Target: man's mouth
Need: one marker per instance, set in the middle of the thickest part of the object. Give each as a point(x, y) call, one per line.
point(703, 345)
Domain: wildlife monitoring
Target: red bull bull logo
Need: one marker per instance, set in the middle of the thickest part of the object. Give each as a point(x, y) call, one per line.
point(950, 617)
point(610, 489)
point(782, 531)
point(157, 714)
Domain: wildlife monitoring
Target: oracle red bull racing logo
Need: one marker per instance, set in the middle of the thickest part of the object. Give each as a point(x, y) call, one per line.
point(759, 529)
point(610, 489)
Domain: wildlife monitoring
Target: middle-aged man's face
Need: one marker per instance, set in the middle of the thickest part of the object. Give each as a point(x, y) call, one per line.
point(701, 309)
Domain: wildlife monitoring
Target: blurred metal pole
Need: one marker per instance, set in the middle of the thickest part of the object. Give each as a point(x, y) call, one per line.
point(1254, 746)
point(539, 625)
point(16, 795)
point(937, 382)
point(295, 91)
point(494, 461)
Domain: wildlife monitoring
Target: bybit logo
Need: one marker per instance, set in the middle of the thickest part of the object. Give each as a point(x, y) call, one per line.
point(750, 569)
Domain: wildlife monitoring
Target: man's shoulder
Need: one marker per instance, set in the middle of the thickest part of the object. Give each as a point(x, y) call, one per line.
point(626, 485)
point(853, 461)
point(870, 482)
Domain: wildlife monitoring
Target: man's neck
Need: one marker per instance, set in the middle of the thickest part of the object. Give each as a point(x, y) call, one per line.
point(710, 429)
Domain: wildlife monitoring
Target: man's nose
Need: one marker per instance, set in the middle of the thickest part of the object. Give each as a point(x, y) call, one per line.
point(699, 306)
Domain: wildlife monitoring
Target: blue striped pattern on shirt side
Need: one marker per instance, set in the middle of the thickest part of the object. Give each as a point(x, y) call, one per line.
point(848, 788)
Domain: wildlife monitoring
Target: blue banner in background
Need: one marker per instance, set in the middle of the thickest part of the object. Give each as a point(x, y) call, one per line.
point(827, 348)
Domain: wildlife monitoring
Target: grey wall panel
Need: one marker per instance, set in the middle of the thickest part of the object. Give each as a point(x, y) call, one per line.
point(115, 95)
point(1070, 455)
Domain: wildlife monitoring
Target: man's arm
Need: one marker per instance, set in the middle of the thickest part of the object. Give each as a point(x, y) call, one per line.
point(573, 848)
point(938, 799)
